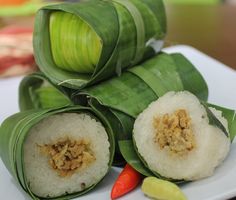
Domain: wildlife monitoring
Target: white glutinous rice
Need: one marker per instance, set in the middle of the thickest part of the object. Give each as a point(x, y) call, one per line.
point(65, 153)
point(174, 138)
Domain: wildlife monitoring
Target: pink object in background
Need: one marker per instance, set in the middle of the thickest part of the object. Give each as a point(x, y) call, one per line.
point(16, 51)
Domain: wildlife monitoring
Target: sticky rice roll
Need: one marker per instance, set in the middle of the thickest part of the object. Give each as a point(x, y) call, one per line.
point(174, 138)
point(65, 153)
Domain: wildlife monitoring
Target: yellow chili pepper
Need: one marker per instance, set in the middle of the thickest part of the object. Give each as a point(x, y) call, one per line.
point(161, 189)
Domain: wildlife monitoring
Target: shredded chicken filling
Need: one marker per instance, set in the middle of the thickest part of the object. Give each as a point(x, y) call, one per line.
point(68, 156)
point(174, 132)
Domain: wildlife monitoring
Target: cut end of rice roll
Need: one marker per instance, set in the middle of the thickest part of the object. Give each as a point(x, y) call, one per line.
point(75, 46)
point(174, 138)
point(65, 153)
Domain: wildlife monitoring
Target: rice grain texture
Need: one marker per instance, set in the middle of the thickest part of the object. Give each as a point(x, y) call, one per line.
point(45, 181)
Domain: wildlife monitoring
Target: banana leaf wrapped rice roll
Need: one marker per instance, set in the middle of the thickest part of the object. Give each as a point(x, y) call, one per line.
point(89, 41)
point(37, 91)
point(57, 153)
point(180, 138)
point(128, 95)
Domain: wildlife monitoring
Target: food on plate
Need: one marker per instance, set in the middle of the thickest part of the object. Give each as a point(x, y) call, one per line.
point(145, 82)
point(111, 108)
point(59, 153)
point(180, 138)
point(107, 94)
point(160, 189)
point(90, 41)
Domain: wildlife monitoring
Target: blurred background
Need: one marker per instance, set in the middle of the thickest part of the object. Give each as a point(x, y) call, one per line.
point(208, 25)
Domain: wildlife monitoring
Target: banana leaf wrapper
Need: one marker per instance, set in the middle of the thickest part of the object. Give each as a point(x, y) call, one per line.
point(128, 147)
point(230, 116)
point(13, 133)
point(128, 95)
point(129, 31)
point(36, 92)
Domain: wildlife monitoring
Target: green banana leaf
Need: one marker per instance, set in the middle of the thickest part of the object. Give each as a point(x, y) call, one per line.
point(36, 91)
point(116, 34)
point(190, 77)
point(136, 88)
point(128, 95)
point(14, 130)
point(122, 125)
point(106, 112)
point(213, 120)
point(230, 116)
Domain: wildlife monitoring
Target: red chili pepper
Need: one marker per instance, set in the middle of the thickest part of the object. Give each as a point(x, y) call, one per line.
point(128, 179)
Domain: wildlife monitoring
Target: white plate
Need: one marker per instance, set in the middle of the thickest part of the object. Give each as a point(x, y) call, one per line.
point(222, 86)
